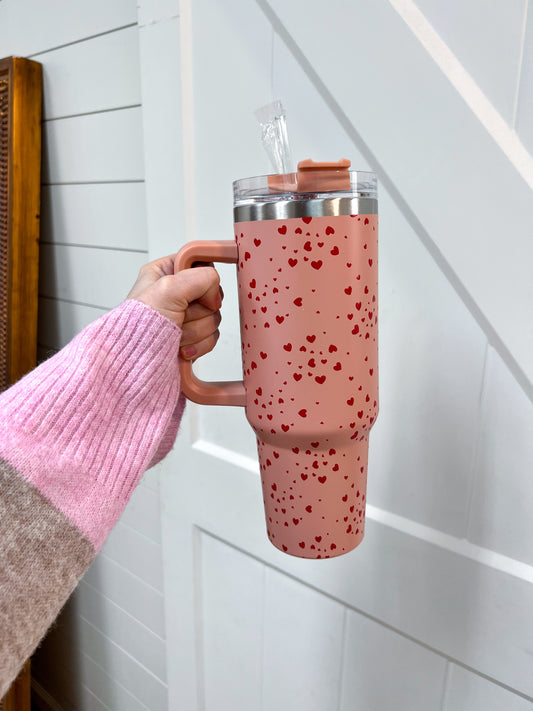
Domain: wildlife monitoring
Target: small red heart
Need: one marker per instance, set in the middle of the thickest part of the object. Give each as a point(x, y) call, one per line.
point(298, 301)
point(311, 363)
point(311, 339)
point(259, 391)
point(332, 452)
point(320, 379)
point(304, 476)
point(309, 509)
point(301, 544)
point(345, 497)
point(322, 479)
point(350, 401)
point(247, 256)
point(302, 413)
point(330, 230)
point(297, 376)
point(296, 521)
point(288, 346)
point(263, 355)
point(285, 428)
point(332, 348)
point(257, 242)
point(366, 220)
point(264, 309)
point(284, 547)
point(337, 366)
point(334, 251)
point(307, 246)
point(318, 539)
point(282, 230)
point(370, 262)
point(298, 231)
point(355, 330)
point(336, 468)
point(295, 450)
point(332, 547)
point(320, 244)
point(371, 371)
point(360, 414)
point(315, 444)
point(358, 306)
point(317, 265)
point(348, 290)
point(307, 220)
point(252, 284)
point(274, 486)
point(293, 262)
point(253, 365)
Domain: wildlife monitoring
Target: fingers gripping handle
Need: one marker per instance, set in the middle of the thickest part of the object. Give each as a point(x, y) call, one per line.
point(216, 393)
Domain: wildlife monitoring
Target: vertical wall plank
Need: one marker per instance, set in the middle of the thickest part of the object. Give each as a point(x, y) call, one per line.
point(232, 622)
point(386, 672)
point(303, 647)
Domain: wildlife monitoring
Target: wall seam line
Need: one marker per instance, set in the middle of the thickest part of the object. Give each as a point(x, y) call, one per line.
point(520, 63)
point(82, 39)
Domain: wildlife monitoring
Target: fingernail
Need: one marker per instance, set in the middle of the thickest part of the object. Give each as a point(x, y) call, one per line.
point(189, 352)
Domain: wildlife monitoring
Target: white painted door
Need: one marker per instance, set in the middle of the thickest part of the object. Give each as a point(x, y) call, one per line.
point(433, 610)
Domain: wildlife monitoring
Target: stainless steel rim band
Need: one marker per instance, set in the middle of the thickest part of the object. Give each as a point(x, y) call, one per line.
point(322, 207)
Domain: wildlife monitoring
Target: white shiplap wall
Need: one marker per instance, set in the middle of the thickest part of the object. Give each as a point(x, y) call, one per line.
point(107, 650)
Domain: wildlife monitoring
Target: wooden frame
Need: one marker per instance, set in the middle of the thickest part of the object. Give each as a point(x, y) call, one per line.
point(20, 177)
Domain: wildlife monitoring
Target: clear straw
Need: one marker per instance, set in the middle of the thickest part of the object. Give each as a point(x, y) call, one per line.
point(274, 136)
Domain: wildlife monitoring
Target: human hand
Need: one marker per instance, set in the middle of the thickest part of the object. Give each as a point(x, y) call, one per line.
point(191, 299)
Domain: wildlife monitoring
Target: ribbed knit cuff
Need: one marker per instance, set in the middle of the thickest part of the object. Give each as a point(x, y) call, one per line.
point(84, 426)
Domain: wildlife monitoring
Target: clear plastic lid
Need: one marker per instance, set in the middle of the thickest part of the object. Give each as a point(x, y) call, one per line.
point(312, 181)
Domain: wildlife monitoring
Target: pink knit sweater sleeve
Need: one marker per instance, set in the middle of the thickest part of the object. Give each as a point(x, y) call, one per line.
point(76, 435)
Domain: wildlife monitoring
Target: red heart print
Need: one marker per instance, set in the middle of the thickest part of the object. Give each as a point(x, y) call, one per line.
point(252, 284)
point(320, 379)
point(345, 497)
point(307, 246)
point(366, 220)
point(285, 428)
point(293, 262)
point(334, 251)
point(370, 262)
point(253, 365)
point(318, 539)
point(311, 363)
point(311, 339)
point(297, 376)
point(298, 231)
point(307, 220)
point(303, 412)
point(257, 242)
point(332, 547)
point(247, 256)
point(288, 346)
point(317, 264)
point(259, 391)
point(295, 450)
point(296, 521)
point(301, 544)
point(320, 244)
point(315, 444)
point(355, 330)
point(282, 230)
point(360, 414)
point(332, 348)
point(264, 309)
point(322, 479)
point(350, 401)
point(298, 301)
point(348, 290)
point(263, 355)
point(358, 306)
point(330, 230)
point(337, 366)
point(309, 509)
point(280, 319)
point(304, 476)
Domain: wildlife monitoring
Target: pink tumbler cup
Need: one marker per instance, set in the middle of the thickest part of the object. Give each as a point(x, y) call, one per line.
point(306, 254)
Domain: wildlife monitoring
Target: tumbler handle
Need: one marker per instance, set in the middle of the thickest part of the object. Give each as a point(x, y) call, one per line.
point(230, 392)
